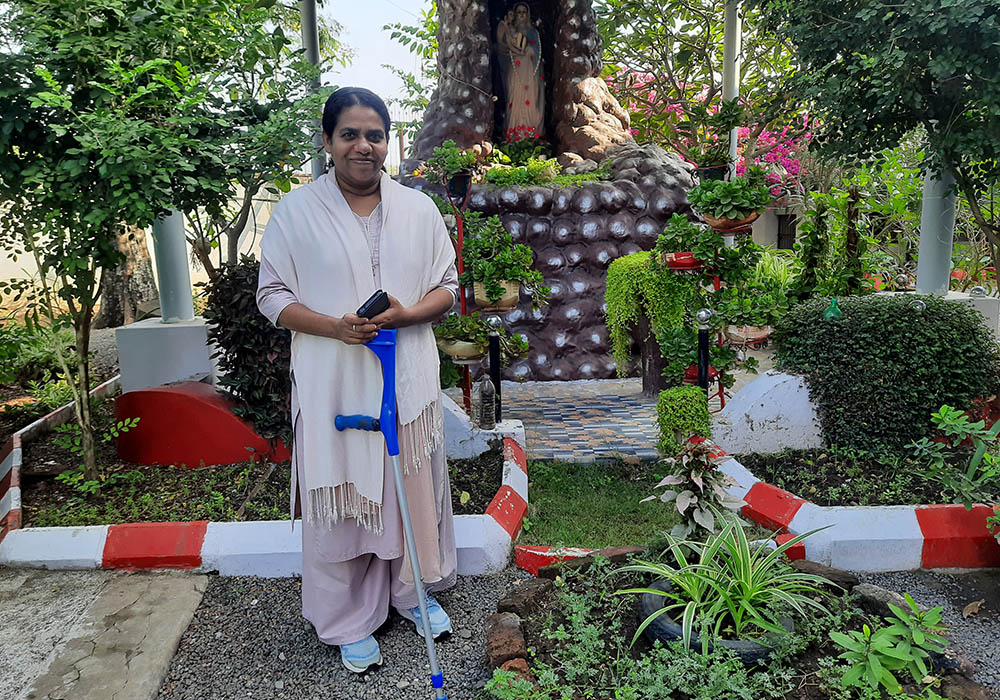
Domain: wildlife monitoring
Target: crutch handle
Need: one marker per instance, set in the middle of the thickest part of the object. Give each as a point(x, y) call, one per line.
point(356, 422)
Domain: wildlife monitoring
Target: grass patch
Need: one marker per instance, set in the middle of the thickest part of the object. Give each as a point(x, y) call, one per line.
point(594, 505)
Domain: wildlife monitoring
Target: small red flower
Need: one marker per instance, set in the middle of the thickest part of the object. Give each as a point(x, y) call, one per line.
point(511, 104)
point(527, 102)
point(517, 63)
point(531, 41)
point(542, 78)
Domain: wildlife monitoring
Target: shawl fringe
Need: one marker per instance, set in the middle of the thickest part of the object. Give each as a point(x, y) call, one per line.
point(329, 505)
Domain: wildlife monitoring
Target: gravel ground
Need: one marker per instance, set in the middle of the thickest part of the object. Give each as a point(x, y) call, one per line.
point(103, 352)
point(248, 639)
point(977, 637)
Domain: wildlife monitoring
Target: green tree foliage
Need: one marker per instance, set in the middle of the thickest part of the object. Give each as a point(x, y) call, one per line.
point(667, 69)
point(873, 70)
point(422, 40)
point(115, 112)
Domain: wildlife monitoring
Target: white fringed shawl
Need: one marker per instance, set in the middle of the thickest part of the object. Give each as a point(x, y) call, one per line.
point(319, 251)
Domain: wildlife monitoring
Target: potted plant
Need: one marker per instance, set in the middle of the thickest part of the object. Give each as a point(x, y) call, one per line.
point(706, 134)
point(679, 350)
point(731, 206)
point(497, 268)
point(466, 339)
point(685, 246)
point(452, 167)
point(725, 592)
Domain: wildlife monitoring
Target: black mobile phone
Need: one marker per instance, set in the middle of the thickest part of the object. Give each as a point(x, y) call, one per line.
point(376, 304)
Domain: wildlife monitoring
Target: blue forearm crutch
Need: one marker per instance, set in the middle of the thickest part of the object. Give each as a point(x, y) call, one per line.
point(384, 347)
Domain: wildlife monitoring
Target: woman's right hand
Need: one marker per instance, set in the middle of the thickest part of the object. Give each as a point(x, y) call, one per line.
point(354, 330)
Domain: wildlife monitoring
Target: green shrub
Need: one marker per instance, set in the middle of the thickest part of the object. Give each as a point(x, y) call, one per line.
point(635, 288)
point(31, 353)
point(681, 412)
point(253, 355)
point(878, 373)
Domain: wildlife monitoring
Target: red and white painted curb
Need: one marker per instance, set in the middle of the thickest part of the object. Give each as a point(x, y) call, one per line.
point(856, 538)
point(267, 548)
point(11, 455)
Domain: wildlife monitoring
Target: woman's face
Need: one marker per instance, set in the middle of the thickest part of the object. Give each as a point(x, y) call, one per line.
point(522, 15)
point(358, 146)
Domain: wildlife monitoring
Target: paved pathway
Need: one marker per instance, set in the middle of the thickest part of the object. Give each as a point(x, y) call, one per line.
point(91, 635)
point(593, 420)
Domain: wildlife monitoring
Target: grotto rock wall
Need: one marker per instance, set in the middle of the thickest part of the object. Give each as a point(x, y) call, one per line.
point(585, 118)
point(575, 233)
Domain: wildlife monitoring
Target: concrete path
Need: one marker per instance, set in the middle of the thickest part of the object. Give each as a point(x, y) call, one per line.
point(91, 635)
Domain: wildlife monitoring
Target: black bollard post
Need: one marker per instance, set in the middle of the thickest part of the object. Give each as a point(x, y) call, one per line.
point(495, 322)
point(703, 317)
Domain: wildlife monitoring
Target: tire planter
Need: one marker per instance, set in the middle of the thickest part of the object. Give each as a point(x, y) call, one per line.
point(507, 302)
point(665, 629)
point(458, 185)
point(732, 225)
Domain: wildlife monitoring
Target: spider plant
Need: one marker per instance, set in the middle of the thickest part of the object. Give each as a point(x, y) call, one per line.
point(730, 584)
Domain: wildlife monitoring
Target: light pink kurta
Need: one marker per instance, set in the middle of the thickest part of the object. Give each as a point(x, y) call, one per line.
point(343, 591)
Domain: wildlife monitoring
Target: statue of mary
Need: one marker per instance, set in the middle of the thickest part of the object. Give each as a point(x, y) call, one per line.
point(520, 53)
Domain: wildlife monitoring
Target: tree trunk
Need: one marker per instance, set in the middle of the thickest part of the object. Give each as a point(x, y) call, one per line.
point(128, 285)
point(651, 359)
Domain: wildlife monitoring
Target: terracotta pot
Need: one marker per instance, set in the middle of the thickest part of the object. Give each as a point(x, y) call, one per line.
point(727, 224)
point(748, 334)
point(511, 294)
point(681, 262)
point(461, 349)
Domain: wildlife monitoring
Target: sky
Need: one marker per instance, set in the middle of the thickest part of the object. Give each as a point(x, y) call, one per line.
point(363, 21)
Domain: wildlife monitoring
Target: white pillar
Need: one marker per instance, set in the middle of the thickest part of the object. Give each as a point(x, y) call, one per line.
point(937, 233)
point(310, 41)
point(731, 69)
point(172, 272)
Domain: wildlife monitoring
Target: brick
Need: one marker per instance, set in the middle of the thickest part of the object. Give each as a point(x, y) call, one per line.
point(525, 596)
point(520, 667)
point(844, 581)
point(504, 639)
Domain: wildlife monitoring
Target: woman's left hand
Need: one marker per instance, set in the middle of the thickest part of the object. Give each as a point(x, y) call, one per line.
point(395, 316)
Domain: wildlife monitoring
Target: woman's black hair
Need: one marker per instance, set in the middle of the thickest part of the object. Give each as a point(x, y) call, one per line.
point(349, 97)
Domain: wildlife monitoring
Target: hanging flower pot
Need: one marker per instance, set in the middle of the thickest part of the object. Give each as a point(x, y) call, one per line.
point(731, 226)
point(748, 335)
point(511, 295)
point(462, 351)
point(458, 185)
point(682, 262)
point(712, 172)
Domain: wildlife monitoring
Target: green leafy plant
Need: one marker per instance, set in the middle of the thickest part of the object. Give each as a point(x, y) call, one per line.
point(254, 356)
point(523, 145)
point(730, 199)
point(31, 351)
point(905, 645)
point(69, 438)
point(637, 288)
point(877, 374)
point(446, 161)
point(491, 257)
point(979, 480)
point(681, 411)
point(54, 393)
point(993, 523)
point(474, 329)
point(534, 171)
point(679, 348)
point(699, 488)
point(729, 585)
point(706, 132)
point(681, 235)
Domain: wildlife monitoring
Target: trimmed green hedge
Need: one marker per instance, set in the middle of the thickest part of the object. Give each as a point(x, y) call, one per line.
point(681, 412)
point(877, 374)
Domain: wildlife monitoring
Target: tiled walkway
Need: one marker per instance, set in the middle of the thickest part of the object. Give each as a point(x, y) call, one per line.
point(588, 421)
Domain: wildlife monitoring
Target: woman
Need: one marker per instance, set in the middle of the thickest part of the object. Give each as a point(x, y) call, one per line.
point(525, 96)
point(327, 248)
